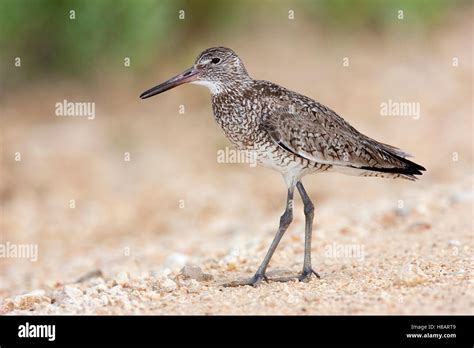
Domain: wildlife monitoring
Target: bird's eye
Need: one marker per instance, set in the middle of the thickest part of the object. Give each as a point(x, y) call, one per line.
point(215, 60)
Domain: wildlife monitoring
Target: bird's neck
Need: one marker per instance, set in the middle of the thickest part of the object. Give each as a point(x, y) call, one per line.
point(229, 87)
point(229, 103)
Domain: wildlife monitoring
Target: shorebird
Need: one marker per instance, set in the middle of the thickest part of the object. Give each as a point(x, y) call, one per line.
point(288, 132)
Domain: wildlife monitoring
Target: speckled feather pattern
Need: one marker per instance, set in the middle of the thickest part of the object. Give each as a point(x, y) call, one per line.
point(297, 135)
point(290, 132)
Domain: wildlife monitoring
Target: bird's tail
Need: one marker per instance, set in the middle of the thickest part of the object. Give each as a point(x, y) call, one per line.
point(400, 168)
point(390, 162)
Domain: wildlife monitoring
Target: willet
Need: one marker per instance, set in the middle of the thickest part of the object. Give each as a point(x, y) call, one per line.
point(288, 132)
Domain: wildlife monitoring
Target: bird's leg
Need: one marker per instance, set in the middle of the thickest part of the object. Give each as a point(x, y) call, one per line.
point(285, 221)
point(309, 217)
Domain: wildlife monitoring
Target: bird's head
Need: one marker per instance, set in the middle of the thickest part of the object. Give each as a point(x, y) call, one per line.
point(217, 68)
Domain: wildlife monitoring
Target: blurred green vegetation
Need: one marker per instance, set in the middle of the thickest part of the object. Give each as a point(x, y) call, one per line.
point(378, 15)
point(103, 32)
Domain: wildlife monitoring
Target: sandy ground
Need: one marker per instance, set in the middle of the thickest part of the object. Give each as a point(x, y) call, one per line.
point(160, 233)
point(412, 260)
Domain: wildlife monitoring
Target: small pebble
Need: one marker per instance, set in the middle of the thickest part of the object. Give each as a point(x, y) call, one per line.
point(419, 227)
point(411, 275)
point(72, 292)
point(27, 301)
point(122, 278)
point(168, 285)
point(454, 242)
point(194, 272)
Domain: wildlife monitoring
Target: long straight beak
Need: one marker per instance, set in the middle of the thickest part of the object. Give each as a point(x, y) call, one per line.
point(186, 76)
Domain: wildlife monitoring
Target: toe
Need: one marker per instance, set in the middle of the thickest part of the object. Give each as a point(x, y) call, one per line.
point(306, 275)
point(254, 281)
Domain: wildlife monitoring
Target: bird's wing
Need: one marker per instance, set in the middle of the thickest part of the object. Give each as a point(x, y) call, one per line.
point(320, 135)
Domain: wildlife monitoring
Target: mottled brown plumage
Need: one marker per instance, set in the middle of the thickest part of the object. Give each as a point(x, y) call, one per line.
point(288, 132)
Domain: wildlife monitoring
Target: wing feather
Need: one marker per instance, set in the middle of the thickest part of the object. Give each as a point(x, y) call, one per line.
point(322, 136)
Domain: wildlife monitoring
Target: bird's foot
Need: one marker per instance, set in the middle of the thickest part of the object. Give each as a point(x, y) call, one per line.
point(254, 281)
point(257, 279)
point(306, 274)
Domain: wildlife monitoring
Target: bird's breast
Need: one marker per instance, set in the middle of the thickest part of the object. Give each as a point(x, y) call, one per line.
point(239, 120)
